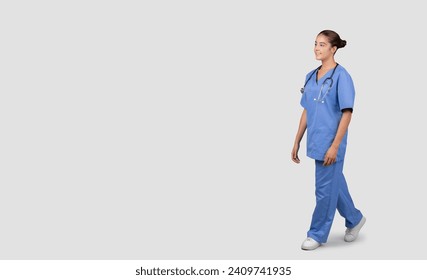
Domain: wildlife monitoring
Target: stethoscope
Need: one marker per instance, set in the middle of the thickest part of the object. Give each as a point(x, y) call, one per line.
point(319, 97)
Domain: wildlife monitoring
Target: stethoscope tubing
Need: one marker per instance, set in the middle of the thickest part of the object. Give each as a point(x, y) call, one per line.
point(319, 99)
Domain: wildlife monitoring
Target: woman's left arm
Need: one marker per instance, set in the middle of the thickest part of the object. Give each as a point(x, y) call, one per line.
point(331, 154)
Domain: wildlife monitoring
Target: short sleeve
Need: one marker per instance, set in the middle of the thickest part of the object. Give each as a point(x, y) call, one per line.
point(303, 101)
point(345, 90)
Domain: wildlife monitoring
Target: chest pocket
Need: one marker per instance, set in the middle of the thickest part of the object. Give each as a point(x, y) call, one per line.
point(310, 92)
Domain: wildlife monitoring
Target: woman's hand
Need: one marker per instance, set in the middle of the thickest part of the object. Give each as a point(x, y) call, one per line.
point(331, 156)
point(294, 154)
point(301, 130)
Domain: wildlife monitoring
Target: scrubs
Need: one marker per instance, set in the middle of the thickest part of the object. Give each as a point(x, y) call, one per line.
point(324, 105)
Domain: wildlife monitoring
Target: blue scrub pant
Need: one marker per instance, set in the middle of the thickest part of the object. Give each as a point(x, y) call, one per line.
point(331, 194)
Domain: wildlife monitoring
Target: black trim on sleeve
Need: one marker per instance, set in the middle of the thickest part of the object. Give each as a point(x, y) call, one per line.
point(347, 109)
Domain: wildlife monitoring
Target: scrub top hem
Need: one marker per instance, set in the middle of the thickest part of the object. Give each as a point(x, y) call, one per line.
point(320, 157)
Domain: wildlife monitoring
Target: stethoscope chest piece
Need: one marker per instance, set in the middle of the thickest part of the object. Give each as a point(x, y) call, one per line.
point(321, 98)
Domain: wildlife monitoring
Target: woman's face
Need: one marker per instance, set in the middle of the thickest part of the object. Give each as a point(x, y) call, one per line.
point(323, 50)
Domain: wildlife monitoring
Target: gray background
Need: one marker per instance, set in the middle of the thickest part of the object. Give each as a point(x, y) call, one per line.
point(163, 129)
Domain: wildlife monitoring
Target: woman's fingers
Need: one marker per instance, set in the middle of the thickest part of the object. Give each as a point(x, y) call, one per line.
point(294, 156)
point(328, 161)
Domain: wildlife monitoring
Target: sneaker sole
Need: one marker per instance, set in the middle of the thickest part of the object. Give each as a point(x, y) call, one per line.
point(310, 248)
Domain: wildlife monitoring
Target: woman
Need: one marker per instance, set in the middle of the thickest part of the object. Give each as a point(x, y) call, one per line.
point(328, 98)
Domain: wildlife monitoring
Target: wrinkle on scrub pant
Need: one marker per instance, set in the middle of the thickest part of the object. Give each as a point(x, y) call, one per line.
point(331, 194)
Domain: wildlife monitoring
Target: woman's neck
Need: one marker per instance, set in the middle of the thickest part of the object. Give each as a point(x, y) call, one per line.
point(328, 64)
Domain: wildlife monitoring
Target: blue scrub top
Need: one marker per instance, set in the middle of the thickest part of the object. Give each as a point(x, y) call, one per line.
point(324, 113)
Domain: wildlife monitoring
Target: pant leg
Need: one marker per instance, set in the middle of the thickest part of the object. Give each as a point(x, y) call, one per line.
point(327, 192)
point(346, 206)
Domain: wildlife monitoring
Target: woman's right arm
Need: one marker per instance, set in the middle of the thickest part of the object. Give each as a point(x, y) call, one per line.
point(301, 130)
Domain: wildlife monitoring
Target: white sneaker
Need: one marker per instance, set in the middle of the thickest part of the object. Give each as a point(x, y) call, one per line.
point(352, 233)
point(310, 244)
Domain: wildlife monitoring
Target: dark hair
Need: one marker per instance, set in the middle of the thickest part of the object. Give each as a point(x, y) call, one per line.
point(333, 38)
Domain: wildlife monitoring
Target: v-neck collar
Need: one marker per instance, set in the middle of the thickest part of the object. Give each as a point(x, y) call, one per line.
point(317, 72)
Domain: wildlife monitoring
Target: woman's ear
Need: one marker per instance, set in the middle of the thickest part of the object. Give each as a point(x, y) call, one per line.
point(334, 49)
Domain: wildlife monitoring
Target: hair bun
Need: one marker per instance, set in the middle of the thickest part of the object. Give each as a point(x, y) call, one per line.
point(343, 43)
